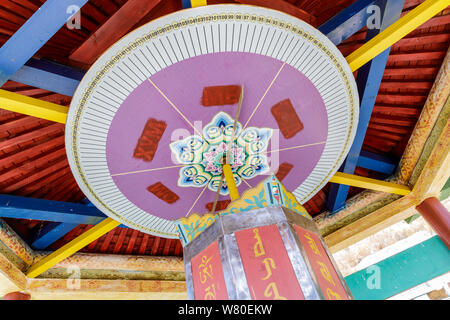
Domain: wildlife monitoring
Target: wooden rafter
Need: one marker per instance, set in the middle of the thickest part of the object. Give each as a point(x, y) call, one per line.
point(112, 30)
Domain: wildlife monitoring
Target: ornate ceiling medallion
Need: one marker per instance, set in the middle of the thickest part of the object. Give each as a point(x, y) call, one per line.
point(203, 156)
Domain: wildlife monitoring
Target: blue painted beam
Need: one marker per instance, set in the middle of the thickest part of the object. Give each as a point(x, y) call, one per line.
point(49, 76)
point(48, 210)
point(50, 233)
point(376, 162)
point(347, 22)
point(33, 34)
point(54, 231)
point(186, 4)
point(368, 80)
point(401, 272)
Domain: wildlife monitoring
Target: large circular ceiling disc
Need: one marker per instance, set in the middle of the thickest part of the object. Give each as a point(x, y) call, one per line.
point(148, 124)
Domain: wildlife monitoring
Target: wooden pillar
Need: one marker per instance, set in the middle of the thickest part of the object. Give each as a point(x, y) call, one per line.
point(434, 212)
point(16, 296)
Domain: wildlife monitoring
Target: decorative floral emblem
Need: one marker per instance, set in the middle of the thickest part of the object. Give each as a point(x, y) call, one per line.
point(203, 156)
point(268, 193)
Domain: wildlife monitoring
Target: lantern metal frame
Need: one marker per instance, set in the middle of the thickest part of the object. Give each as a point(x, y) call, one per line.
point(222, 231)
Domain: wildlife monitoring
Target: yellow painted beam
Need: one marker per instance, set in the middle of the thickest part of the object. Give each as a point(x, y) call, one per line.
point(198, 3)
point(395, 32)
point(73, 246)
point(33, 107)
point(232, 188)
point(368, 225)
point(367, 183)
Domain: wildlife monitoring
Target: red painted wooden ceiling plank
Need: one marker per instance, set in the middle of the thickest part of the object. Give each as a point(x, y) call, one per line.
point(282, 6)
point(45, 181)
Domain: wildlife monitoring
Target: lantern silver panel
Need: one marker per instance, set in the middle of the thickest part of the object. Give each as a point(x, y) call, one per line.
point(309, 286)
point(189, 283)
point(236, 273)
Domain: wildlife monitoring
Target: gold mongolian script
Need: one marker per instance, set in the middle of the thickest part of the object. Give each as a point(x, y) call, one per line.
point(267, 267)
point(207, 275)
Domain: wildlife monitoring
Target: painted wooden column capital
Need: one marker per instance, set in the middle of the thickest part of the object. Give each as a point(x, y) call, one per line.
point(434, 212)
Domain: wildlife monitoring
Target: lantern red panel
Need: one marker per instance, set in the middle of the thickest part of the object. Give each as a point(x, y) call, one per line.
point(267, 267)
point(326, 275)
point(207, 275)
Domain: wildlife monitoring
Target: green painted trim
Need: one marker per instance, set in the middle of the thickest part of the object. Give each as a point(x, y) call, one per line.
point(412, 218)
point(445, 192)
point(103, 274)
point(401, 272)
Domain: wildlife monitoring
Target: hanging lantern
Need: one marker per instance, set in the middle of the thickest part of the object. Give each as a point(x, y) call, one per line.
point(263, 246)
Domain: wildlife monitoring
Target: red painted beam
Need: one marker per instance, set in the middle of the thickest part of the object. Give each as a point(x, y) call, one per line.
point(380, 143)
point(144, 243)
point(112, 30)
point(39, 174)
point(108, 237)
point(32, 166)
point(44, 185)
point(393, 129)
point(155, 246)
point(406, 110)
point(393, 120)
point(421, 39)
point(44, 182)
point(167, 245)
point(416, 56)
point(400, 71)
point(417, 39)
point(439, 20)
point(51, 129)
point(30, 153)
point(94, 244)
point(14, 86)
point(284, 7)
point(178, 249)
point(57, 98)
point(27, 4)
point(15, 127)
point(397, 85)
point(120, 239)
point(130, 246)
point(382, 134)
point(67, 193)
point(401, 99)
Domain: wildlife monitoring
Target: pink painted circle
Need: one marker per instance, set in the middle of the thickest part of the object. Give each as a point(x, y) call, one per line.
point(173, 98)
